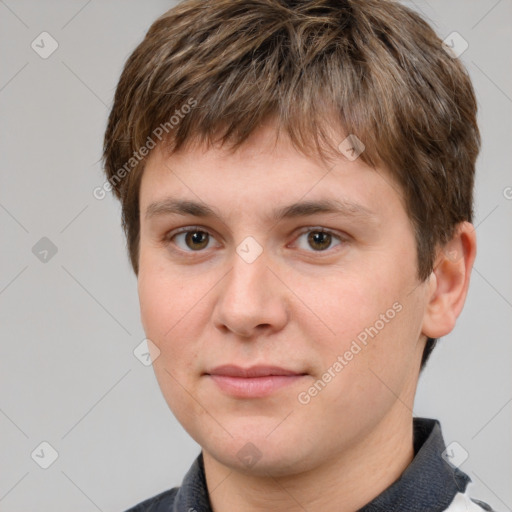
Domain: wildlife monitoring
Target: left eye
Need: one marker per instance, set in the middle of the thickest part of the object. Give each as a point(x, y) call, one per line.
point(319, 239)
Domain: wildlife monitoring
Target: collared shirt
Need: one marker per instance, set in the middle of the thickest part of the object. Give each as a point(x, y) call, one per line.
point(428, 484)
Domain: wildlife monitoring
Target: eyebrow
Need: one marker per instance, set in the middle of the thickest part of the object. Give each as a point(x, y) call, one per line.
point(170, 206)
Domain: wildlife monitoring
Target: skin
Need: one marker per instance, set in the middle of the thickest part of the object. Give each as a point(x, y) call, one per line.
point(298, 307)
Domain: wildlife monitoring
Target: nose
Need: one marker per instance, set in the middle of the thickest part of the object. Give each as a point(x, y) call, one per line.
point(251, 299)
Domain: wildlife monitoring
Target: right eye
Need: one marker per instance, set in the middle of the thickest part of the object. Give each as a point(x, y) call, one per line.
point(190, 239)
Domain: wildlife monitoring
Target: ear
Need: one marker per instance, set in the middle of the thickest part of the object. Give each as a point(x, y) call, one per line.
point(449, 282)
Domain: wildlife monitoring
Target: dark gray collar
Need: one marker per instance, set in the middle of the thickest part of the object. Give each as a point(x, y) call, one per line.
point(429, 483)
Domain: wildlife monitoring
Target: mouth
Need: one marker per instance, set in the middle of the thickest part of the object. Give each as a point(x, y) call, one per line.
point(253, 382)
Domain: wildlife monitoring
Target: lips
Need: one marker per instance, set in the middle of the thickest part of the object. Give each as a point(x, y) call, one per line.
point(253, 371)
point(253, 382)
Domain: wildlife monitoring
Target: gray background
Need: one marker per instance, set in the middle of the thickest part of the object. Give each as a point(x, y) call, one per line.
point(68, 375)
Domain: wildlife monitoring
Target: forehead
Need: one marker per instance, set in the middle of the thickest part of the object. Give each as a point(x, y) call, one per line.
point(260, 174)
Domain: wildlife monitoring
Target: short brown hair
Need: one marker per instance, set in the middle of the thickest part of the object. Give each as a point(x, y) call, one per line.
point(371, 68)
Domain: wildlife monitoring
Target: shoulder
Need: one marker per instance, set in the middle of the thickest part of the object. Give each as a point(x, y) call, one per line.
point(159, 503)
point(463, 503)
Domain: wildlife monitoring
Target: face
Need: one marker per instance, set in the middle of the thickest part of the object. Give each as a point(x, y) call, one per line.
point(284, 306)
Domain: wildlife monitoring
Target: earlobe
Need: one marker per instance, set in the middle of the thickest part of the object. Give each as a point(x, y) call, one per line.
point(449, 282)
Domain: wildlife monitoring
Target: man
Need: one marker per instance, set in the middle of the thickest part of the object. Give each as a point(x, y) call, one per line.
point(296, 181)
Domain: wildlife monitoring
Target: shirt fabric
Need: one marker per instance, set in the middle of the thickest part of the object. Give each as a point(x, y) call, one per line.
point(428, 484)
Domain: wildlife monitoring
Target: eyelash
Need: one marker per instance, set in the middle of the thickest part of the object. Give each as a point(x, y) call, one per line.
point(191, 229)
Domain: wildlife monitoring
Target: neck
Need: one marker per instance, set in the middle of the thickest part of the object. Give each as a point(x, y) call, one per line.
point(342, 484)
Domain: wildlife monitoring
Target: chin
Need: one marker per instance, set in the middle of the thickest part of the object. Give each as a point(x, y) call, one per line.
point(261, 456)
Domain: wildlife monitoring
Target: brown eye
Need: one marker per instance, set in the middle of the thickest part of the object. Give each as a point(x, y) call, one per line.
point(319, 240)
point(191, 240)
point(196, 240)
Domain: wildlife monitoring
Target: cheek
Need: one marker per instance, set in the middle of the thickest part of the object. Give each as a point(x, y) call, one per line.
point(155, 306)
point(373, 324)
point(173, 312)
point(347, 307)
point(166, 314)
point(163, 299)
